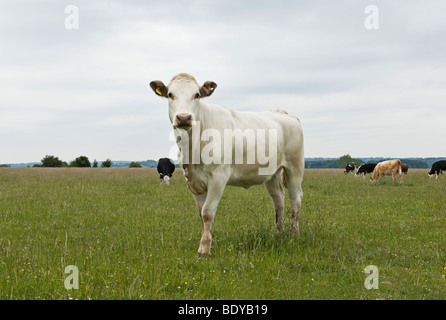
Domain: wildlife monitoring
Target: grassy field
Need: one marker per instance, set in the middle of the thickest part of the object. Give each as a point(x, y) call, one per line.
point(132, 238)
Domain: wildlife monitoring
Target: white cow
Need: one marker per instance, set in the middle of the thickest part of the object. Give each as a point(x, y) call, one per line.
point(208, 161)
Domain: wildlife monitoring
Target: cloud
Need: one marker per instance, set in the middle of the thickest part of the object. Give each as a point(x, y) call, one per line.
point(353, 89)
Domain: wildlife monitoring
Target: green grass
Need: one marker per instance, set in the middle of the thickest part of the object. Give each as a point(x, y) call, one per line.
point(132, 238)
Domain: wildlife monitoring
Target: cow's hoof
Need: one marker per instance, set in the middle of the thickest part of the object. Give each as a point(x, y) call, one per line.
point(203, 255)
point(280, 227)
point(204, 250)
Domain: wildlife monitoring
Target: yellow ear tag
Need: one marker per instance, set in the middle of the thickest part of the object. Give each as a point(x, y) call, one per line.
point(158, 91)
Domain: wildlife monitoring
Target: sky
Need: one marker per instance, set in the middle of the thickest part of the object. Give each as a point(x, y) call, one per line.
point(367, 82)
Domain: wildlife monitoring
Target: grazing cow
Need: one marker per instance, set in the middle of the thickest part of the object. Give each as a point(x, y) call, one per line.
point(404, 168)
point(165, 167)
point(208, 167)
point(387, 167)
point(366, 168)
point(437, 167)
point(350, 167)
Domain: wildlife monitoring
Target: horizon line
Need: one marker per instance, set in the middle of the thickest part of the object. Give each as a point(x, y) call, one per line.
point(314, 157)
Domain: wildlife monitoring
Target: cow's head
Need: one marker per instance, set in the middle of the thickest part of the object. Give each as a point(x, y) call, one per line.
point(375, 176)
point(184, 94)
point(166, 179)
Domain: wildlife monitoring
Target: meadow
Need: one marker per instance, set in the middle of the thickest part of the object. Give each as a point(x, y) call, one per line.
point(132, 238)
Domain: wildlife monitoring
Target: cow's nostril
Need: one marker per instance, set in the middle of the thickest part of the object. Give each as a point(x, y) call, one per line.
point(184, 119)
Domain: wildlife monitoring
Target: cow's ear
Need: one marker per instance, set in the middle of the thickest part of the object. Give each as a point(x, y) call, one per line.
point(207, 89)
point(159, 88)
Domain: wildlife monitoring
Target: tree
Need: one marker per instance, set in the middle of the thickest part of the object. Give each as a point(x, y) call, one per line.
point(107, 163)
point(51, 161)
point(321, 164)
point(345, 159)
point(135, 165)
point(95, 164)
point(81, 162)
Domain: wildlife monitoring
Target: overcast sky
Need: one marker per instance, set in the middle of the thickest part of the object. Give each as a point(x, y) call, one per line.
point(366, 92)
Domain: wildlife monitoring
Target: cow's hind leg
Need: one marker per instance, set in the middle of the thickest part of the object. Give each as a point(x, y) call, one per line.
point(277, 195)
point(294, 183)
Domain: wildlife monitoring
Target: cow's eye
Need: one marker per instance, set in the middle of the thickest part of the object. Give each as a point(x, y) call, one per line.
point(170, 95)
point(197, 95)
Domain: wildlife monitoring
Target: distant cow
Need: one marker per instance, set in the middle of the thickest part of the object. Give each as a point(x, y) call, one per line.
point(366, 168)
point(438, 167)
point(404, 168)
point(350, 167)
point(165, 167)
point(207, 176)
point(387, 167)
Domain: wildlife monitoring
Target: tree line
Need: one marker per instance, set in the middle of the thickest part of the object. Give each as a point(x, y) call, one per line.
point(345, 159)
point(50, 161)
point(83, 161)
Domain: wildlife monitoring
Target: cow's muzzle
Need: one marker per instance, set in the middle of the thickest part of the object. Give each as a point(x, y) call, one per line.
point(183, 120)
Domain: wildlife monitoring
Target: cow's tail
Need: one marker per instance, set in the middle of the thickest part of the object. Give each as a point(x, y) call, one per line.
point(284, 180)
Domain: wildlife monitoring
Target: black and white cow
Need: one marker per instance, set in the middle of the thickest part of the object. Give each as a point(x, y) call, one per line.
point(366, 168)
point(438, 167)
point(165, 167)
point(350, 167)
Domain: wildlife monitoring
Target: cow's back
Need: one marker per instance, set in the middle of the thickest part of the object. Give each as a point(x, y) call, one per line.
point(289, 140)
point(290, 137)
point(441, 164)
point(289, 128)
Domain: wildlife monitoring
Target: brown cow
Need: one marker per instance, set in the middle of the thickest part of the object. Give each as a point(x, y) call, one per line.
point(404, 168)
point(384, 167)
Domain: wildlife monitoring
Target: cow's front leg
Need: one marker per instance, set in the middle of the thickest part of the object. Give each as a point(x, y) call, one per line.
point(214, 193)
point(199, 200)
